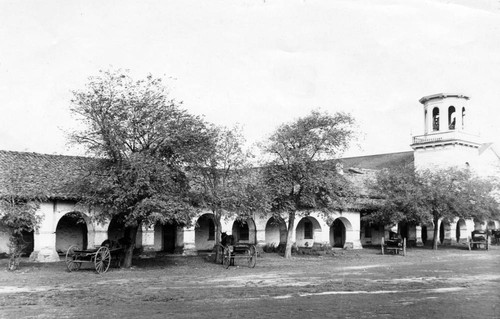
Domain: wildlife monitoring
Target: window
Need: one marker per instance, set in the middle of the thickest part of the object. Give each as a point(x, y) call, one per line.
point(211, 230)
point(435, 119)
point(308, 230)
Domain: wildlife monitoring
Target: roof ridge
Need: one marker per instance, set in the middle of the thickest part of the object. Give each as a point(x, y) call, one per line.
point(45, 154)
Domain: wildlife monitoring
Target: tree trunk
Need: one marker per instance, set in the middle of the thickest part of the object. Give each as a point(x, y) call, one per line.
point(436, 234)
point(130, 236)
point(288, 247)
point(218, 232)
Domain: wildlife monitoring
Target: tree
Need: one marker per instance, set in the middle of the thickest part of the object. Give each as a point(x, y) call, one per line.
point(145, 141)
point(18, 206)
point(223, 180)
point(300, 173)
point(432, 195)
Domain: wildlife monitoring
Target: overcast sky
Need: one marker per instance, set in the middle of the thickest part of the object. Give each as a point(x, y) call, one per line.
point(257, 63)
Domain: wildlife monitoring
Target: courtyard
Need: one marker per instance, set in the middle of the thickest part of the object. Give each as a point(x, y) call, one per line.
point(449, 283)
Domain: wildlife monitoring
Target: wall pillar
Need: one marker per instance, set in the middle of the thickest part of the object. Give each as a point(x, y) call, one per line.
point(453, 233)
point(260, 236)
point(418, 236)
point(447, 233)
point(100, 235)
point(148, 239)
point(44, 249)
point(188, 241)
point(352, 238)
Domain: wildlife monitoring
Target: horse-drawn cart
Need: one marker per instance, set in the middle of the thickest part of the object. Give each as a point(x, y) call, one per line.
point(396, 246)
point(228, 251)
point(479, 239)
point(100, 257)
point(240, 251)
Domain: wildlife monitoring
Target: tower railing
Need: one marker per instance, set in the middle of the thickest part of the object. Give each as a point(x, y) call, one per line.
point(446, 136)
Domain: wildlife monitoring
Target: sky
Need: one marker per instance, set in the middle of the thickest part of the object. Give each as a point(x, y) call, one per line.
point(256, 63)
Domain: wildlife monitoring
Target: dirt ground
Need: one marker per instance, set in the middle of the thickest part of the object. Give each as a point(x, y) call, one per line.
point(450, 283)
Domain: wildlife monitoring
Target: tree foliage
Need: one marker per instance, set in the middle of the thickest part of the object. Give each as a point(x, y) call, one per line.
point(146, 141)
point(426, 196)
point(223, 180)
point(300, 174)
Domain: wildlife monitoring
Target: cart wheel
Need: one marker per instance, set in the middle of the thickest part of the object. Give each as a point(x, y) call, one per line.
point(102, 260)
point(70, 259)
point(226, 260)
point(252, 256)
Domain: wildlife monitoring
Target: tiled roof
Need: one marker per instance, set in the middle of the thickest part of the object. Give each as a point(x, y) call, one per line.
point(55, 175)
point(51, 175)
point(379, 161)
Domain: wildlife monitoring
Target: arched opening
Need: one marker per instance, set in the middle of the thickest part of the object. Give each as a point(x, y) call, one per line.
point(305, 231)
point(29, 242)
point(337, 233)
point(451, 118)
point(244, 231)
point(463, 118)
point(275, 232)
point(435, 119)
point(423, 234)
point(71, 230)
point(204, 232)
point(461, 231)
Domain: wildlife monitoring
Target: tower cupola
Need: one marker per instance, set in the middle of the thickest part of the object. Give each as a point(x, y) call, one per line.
point(448, 139)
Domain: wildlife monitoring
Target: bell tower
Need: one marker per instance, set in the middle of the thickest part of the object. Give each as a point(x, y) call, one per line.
point(447, 140)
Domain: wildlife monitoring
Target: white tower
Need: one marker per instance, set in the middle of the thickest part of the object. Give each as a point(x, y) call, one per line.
point(447, 139)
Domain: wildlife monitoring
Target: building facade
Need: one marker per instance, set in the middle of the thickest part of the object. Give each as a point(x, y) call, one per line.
point(447, 141)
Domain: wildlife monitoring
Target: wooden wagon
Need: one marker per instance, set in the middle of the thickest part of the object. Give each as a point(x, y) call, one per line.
point(479, 239)
point(100, 258)
point(396, 246)
point(228, 251)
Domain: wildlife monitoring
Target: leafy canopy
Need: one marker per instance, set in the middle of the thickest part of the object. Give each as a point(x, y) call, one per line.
point(301, 172)
point(145, 140)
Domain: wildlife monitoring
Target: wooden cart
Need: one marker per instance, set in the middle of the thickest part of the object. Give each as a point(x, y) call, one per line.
point(396, 246)
point(240, 251)
point(226, 255)
point(100, 258)
point(479, 239)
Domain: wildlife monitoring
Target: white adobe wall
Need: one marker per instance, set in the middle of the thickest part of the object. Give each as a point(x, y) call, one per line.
point(4, 240)
point(445, 156)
